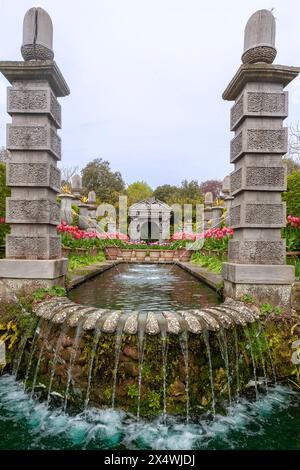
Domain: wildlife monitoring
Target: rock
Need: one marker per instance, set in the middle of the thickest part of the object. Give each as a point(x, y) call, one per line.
point(130, 369)
point(131, 352)
point(296, 297)
point(177, 391)
point(204, 401)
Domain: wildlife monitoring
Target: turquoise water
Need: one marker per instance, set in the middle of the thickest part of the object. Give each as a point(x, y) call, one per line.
point(144, 287)
point(272, 422)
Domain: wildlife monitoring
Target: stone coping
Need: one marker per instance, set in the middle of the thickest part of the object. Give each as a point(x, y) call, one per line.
point(61, 310)
point(87, 272)
point(259, 72)
point(214, 280)
point(36, 70)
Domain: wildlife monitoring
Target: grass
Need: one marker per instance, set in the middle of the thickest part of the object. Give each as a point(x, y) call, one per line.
point(212, 263)
point(296, 262)
point(76, 262)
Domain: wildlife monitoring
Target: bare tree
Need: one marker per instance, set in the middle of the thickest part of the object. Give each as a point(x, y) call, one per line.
point(4, 155)
point(294, 142)
point(67, 173)
point(292, 158)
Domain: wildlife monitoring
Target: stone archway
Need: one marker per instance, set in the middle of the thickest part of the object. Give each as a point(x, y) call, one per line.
point(150, 231)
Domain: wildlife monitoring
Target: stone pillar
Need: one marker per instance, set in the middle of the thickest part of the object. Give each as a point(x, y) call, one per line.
point(76, 185)
point(33, 248)
point(92, 209)
point(66, 201)
point(208, 202)
point(227, 198)
point(83, 222)
point(256, 262)
point(217, 212)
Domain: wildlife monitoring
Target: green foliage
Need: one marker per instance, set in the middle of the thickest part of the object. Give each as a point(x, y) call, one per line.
point(189, 192)
point(292, 195)
point(266, 309)
point(107, 393)
point(138, 191)
point(44, 292)
point(278, 310)
point(4, 193)
point(153, 398)
point(97, 176)
point(133, 391)
point(78, 261)
point(292, 236)
point(212, 263)
point(248, 298)
point(295, 261)
point(167, 193)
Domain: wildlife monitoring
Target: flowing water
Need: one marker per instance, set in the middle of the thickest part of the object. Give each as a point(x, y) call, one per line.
point(144, 287)
point(273, 422)
point(213, 399)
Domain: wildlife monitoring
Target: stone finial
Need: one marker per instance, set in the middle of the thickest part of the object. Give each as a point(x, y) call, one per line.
point(208, 199)
point(76, 183)
point(92, 197)
point(37, 35)
point(226, 185)
point(259, 40)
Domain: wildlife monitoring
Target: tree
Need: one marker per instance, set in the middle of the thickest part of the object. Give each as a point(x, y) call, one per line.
point(291, 165)
point(97, 176)
point(167, 193)
point(4, 155)
point(212, 186)
point(67, 173)
point(292, 195)
point(190, 192)
point(294, 142)
point(138, 191)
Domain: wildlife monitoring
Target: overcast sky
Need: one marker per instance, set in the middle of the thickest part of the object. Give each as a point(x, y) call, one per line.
point(146, 79)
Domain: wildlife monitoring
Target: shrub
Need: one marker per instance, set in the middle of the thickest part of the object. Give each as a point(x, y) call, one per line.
point(4, 193)
point(292, 195)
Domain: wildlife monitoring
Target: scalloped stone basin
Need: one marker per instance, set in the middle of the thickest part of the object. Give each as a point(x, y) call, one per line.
point(148, 346)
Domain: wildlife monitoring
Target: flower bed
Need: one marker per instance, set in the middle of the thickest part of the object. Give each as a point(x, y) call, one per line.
point(292, 235)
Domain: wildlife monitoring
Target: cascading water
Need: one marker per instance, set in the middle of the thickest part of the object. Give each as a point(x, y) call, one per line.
point(236, 347)
point(72, 359)
point(213, 400)
point(262, 359)
point(97, 334)
point(48, 331)
point(253, 360)
point(141, 353)
point(118, 344)
point(55, 359)
point(184, 343)
point(224, 352)
point(32, 351)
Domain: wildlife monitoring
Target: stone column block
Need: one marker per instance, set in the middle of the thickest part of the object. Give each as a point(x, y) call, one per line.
point(258, 103)
point(259, 141)
point(31, 100)
point(33, 137)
